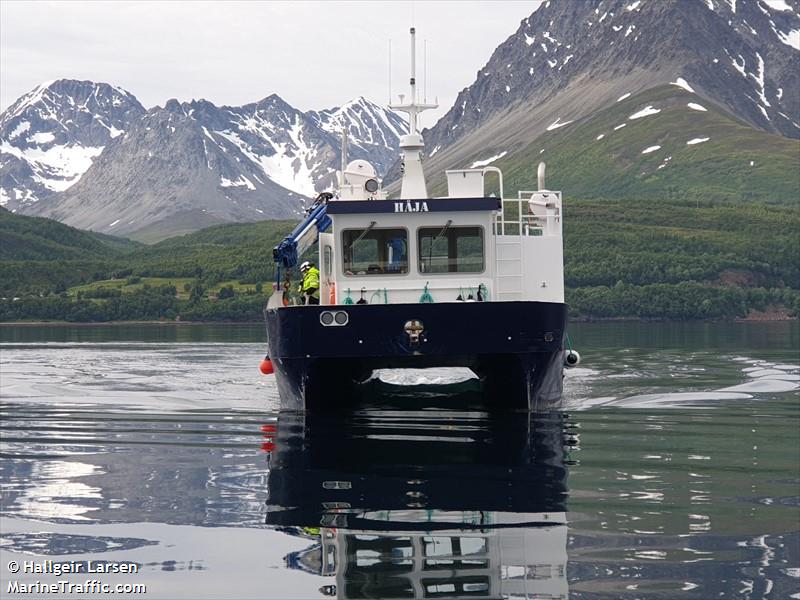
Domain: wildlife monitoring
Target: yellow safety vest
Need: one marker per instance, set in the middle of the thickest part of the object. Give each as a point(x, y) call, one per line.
point(311, 282)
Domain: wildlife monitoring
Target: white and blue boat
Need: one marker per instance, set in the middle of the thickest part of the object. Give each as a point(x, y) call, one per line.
point(462, 280)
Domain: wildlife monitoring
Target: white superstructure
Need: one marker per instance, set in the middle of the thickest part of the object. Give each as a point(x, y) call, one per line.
point(459, 247)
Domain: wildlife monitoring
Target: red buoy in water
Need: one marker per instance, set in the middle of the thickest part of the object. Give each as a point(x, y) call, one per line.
point(266, 366)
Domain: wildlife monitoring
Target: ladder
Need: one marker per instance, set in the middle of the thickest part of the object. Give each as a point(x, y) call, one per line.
point(509, 267)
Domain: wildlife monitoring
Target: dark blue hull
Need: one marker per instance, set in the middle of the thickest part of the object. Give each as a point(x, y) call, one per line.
point(516, 348)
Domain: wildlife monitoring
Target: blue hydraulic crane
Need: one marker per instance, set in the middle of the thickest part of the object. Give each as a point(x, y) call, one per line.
point(288, 252)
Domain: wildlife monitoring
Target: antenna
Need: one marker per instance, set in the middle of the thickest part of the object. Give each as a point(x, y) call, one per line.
point(390, 70)
point(412, 144)
point(413, 108)
point(344, 154)
point(425, 72)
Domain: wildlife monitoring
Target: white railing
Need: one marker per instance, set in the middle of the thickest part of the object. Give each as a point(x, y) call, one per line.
point(516, 216)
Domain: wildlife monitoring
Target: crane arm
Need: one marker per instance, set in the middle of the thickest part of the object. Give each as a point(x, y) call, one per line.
point(288, 252)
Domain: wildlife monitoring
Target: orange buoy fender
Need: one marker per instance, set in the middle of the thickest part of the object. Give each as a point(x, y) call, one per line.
point(332, 293)
point(266, 366)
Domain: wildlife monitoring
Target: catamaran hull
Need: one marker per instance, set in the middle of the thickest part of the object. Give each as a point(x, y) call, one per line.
point(516, 349)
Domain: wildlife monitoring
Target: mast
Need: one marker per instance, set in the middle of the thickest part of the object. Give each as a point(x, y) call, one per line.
point(412, 144)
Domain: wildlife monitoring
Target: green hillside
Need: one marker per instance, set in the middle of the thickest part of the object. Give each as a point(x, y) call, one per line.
point(43, 256)
point(674, 256)
point(672, 259)
point(34, 238)
point(234, 251)
point(737, 163)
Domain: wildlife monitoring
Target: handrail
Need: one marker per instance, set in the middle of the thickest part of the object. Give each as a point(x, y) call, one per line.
point(499, 177)
point(527, 223)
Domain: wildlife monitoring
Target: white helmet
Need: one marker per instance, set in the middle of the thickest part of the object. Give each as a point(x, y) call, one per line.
point(305, 266)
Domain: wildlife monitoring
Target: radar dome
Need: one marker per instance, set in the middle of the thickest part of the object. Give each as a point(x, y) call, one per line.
point(358, 172)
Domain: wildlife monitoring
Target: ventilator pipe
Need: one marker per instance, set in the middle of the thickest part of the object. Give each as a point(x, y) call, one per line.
point(540, 176)
point(571, 358)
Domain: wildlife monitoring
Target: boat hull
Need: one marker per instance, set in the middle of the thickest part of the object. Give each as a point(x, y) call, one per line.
point(516, 348)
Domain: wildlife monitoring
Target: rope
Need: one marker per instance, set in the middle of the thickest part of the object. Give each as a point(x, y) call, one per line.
point(426, 298)
point(569, 343)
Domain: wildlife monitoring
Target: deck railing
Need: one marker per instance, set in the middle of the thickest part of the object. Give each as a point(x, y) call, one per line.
point(516, 218)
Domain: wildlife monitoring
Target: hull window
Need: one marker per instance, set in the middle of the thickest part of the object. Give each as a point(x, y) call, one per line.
point(375, 251)
point(451, 250)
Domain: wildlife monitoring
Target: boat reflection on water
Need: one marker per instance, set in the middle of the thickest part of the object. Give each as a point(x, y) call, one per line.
point(424, 504)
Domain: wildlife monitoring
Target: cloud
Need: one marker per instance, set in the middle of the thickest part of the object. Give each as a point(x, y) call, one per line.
point(313, 54)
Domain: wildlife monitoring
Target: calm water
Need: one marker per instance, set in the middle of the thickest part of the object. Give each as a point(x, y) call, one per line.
point(674, 471)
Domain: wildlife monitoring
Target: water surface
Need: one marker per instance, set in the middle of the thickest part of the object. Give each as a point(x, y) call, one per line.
point(671, 473)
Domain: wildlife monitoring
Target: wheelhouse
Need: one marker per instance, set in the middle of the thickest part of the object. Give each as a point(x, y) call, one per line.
point(461, 247)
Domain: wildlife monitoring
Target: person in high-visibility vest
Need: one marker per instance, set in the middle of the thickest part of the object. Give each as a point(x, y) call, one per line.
point(309, 288)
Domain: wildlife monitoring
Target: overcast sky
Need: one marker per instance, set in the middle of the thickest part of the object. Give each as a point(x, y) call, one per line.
point(314, 55)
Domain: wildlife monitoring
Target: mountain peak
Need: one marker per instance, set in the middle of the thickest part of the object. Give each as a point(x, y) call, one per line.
point(52, 134)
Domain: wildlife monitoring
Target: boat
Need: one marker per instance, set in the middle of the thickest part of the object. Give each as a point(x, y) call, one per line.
point(469, 279)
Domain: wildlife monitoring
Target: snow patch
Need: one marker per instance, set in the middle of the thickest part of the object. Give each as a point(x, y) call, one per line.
point(488, 161)
point(508, 88)
point(58, 167)
point(681, 82)
point(241, 181)
point(645, 112)
point(694, 106)
point(737, 66)
point(529, 40)
point(752, 163)
point(557, 124)
point(289, 166)
point(790, 38)
point(601, 136)
point(21, 128)
point(778, 5)
point(694, 141)
point(552, 63)
point(629, 30)
point(435, 150)
point(650, 149)
point(4, 197)
point(633, 6)
point(618, 127)
point(41, 137)
point(760, 80)
point(621, 98)
point(114, 223)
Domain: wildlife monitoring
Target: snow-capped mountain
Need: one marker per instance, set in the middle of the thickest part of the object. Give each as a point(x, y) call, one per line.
point(192, 164)
point(50, 137)
point(569, 60)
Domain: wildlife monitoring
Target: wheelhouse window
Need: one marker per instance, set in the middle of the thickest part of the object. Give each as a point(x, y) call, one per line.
point(374, 251)
point(448, 249)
